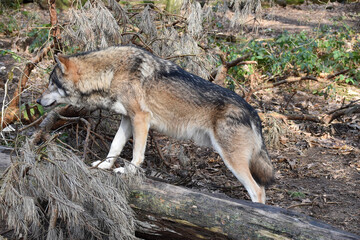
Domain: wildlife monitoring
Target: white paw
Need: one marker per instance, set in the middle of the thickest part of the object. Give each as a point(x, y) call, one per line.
point(127, 169)
point(120, 170)
point(103, 164)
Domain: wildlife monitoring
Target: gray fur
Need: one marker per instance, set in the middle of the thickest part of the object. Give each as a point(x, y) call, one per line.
point(155, 93)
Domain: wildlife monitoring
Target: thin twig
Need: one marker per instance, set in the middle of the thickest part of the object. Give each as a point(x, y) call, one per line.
point(54, 216)
point(300, 205)
point(33, 123)
point(67, 146)
point(88, 128)
point(344, 107)
point(102, 139)
point(227, 65)
point(337, 74)
point(180, 56)
point(158, 149)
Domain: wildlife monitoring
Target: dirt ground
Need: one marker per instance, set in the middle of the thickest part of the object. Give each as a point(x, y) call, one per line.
point(305, 17)
point(317, 166)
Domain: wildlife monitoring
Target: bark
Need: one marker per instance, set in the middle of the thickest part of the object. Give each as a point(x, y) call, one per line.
point(166, 211)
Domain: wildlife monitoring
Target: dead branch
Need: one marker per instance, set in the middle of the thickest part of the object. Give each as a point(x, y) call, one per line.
point(337, 74)
point(224, 68)
point(275, 84)
point(285, 117)
point(237, 61)
point(138, 36)
point(12, 111)
point(102, 139)
point(53, 120)
point(88, 129)
point(341, 112)
point(55, 30)
point(45, 126)
point(33, 123)
point(55, 182)
point(325, 119)
point(344, 107)
point(158, 150)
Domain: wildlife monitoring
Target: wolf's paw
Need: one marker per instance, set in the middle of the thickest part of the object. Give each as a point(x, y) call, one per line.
point(120, 170)
point(127, 169)
point(103, 164)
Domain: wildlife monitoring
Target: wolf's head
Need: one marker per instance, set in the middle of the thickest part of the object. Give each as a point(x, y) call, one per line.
point(61, 83)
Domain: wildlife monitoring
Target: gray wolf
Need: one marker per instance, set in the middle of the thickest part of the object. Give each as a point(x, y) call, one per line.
point(150, 92)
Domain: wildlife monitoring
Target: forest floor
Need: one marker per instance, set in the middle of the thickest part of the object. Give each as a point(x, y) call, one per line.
point(317, 166)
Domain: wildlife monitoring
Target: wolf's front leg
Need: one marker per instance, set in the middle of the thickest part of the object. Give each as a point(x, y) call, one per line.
point(141, 125)
point(122, 136)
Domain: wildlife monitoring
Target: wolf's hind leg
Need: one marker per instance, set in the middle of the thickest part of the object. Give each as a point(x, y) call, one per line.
point(141, 125)
point(240, 168)
point(237, 160)
point(122, 136)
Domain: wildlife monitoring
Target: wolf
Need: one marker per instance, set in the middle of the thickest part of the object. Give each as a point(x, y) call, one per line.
point(152, 93)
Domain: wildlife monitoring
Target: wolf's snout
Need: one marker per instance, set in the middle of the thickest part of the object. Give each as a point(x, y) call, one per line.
point(38, 101)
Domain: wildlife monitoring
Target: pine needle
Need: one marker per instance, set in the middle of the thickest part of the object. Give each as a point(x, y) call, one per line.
point(49, 193)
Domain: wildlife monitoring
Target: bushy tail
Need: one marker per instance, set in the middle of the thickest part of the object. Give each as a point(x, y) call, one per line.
point(261, 168)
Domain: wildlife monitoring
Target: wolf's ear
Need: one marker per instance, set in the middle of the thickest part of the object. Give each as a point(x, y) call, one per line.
point(63, 62)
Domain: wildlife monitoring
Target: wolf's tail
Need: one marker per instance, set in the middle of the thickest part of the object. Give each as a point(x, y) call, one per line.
point(261, 168)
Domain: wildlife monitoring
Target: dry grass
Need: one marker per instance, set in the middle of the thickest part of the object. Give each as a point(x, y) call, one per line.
point(48, 192)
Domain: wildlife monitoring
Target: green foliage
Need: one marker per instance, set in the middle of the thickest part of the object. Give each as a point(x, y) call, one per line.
point(325, 52)
point(13, 4)
point(296, 194)
point(71, 48)
point(32, 110)
point(13, 21)
point(295, 2)
point(64, 136)
point(9, 25)
point(4, 52)
point(40, 35)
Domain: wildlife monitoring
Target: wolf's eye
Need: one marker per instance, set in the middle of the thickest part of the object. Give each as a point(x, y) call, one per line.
point(52, 86)
point(62, 92)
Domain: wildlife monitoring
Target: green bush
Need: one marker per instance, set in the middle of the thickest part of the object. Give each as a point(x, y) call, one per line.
point(325, 52)
point(40, 35)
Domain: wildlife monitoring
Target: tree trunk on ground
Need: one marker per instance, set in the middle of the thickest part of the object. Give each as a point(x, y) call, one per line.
point(166, 211)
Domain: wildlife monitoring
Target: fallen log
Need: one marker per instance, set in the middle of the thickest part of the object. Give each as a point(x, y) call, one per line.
point(166, 211)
